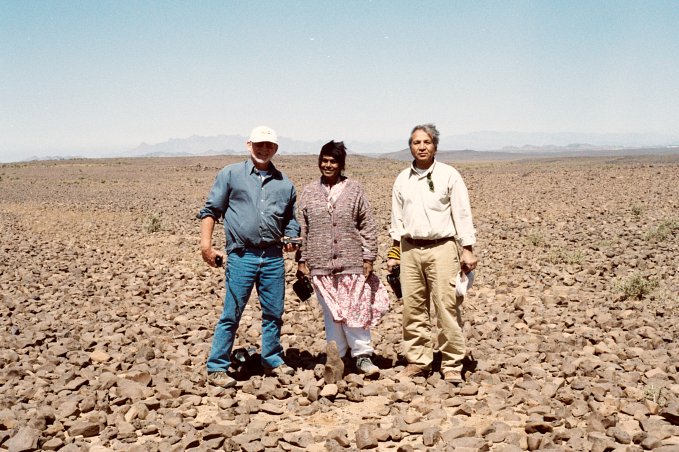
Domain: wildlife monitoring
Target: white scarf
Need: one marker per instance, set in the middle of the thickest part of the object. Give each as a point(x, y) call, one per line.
point(333, 193)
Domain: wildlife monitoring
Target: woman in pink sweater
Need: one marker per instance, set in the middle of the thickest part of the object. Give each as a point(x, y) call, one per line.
point(338, 251)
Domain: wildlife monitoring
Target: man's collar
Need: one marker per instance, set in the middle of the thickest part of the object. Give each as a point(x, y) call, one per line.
point(251, 168)
point(415, 170)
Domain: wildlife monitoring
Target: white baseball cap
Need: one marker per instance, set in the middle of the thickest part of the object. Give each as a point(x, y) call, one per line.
point(263, 133)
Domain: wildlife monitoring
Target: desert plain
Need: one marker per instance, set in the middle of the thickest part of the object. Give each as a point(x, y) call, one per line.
point(107, 313)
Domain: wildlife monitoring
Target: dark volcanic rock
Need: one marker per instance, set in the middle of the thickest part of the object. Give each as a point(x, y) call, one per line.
point(106, 320)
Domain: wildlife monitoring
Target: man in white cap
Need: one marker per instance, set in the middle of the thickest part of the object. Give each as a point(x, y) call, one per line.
point(257, 203)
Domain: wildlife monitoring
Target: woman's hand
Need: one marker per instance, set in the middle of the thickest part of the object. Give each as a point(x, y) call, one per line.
point(367, 268)
point(302, 270)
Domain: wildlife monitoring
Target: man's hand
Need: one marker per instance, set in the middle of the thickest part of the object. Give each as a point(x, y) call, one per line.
point(367, 268)
point(391, 263)
point(468, 261)
point(210, 256)
point(394, 255)
point(291, 244)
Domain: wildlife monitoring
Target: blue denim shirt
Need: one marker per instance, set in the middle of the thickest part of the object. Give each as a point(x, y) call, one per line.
point(256, 213)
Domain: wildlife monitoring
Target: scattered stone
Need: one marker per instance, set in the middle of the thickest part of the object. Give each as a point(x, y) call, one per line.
point(84, 428)
point(53, 444)
point(299, 439)
point(24, 440)
point(458, 432)
point(539, 427)
point(365, 438)
point(340, 436)
point(431, 435)
point(107, 338)
point(671, 413)
point(329, 390)
point(334, 366)
point(619, 435)
point(99, 356)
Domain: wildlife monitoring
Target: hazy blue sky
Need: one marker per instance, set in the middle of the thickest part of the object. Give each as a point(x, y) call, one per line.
point(111, 74)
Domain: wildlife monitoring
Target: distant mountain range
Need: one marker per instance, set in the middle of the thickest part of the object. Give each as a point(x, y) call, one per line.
point(477, 145)
point(513, 141)
point(506, 142)
point(220, 144)
point(553, 152)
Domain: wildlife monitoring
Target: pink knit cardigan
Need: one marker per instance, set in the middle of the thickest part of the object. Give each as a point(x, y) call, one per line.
point(337, 242)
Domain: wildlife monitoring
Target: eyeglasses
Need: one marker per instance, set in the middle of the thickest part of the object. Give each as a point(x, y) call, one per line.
point(430, 183)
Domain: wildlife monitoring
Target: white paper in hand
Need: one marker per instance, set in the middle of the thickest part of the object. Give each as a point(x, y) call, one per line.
point(463, 282)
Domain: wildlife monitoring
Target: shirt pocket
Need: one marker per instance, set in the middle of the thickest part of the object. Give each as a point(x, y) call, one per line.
point(437, 201)
point(276, 202)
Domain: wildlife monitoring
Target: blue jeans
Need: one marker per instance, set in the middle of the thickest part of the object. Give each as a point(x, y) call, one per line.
point(264, 269)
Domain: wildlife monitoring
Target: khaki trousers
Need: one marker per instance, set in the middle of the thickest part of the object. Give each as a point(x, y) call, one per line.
point(428, 277)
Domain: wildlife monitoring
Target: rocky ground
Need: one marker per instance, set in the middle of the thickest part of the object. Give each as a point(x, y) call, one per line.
point(107, 312)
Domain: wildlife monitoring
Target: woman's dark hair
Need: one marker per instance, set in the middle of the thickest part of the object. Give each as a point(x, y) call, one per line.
point(336, 150)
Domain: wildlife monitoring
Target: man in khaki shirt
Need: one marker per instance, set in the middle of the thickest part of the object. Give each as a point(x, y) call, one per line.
point(430, 212)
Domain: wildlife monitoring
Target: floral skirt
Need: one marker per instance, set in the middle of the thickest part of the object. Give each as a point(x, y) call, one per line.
point(352, 299)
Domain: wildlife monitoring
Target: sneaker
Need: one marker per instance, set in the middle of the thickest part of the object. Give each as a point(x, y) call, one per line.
point(283, 369)
point(221, 379)
point(365, 366)
point(412, 371)
point(453, 377)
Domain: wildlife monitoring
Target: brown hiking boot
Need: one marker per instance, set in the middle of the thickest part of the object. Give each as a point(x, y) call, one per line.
point(283, 369)
point(412, 371)
point(221, 379)
point(453, 377)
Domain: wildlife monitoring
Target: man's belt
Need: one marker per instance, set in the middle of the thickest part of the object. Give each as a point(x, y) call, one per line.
point(426, 242)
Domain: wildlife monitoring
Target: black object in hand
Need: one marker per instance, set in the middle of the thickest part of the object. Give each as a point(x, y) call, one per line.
point(243, 355)
point(219, 261)
point(303, 288)
point(394, 280)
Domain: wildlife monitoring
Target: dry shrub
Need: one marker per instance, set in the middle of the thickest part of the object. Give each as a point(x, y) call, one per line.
point(153, 224)
point(535, 238)
point(663, 231)
point(636, 287)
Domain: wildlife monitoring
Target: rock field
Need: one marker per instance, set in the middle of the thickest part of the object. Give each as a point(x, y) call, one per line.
point(107, 313)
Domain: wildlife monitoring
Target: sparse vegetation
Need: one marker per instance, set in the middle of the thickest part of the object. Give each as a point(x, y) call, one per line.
point(663, 231)
point(153, 224)
point(665, 299)
point(656, 395)
point(637, 209)
point(602, 245)
point(636, 287)
point(563, 256)
point(535, 238)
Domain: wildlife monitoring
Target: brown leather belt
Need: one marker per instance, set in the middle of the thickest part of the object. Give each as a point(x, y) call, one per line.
point(426, 242)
